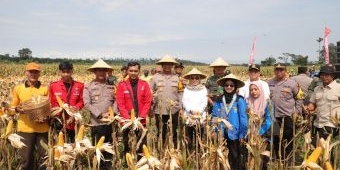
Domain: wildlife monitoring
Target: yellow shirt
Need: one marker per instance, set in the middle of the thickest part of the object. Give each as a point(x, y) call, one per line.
point(23, 93)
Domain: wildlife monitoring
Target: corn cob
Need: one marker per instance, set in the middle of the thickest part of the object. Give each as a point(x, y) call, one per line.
point(61, 139)
point(132, 115)
point(56, 153)
point(146, 152)
point(315, 155)
point(111, 113)
point(100, 142)
point(129, 161)
point(9, 128)
point(328, 166)
point(80, 134)
point(60, 102)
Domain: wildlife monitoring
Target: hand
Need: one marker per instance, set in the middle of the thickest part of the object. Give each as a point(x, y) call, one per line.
point(19, 109)
point(105, 115)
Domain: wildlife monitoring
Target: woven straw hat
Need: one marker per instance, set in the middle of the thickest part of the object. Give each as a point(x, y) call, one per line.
point(219, 62)
point(194, 71)
point(239, 83)
point(167, 59)
point(100, 64)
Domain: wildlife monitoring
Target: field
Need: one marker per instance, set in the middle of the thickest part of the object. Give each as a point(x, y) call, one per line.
point(209, 152)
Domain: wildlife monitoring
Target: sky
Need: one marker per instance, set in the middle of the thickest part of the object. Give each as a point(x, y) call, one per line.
point(198, 30)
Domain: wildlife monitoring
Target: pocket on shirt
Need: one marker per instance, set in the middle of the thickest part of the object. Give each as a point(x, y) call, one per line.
point(286, 94)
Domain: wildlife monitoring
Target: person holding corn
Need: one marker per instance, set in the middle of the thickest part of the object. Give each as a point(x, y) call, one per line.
point(33, 132)
point(98, 97)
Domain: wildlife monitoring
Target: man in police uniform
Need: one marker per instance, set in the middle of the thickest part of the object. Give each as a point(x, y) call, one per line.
point(214, 90)
point(254, 75)
point(325, 98)
point(284, 95)
point(166, 94)
point(98, 97)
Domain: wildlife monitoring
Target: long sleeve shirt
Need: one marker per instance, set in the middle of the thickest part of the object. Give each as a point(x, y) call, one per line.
point(283, 94)
point(195, 101)
point(98, 97)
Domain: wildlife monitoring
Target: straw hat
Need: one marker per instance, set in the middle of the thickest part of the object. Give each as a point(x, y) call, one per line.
point(239, 83)
point(167, 59)
point(219, 62)
point(100, 64)
point(194, 71)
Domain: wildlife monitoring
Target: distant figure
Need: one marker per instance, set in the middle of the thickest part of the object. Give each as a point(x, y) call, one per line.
point(146, 77)
point(312, 71)
point(124, 74)
point(110, 78)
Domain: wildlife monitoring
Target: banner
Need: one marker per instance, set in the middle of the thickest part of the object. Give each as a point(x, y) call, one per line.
point(251, 57)
point(327, 32)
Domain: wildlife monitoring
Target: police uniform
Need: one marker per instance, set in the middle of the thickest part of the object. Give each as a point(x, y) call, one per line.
point(283, 94)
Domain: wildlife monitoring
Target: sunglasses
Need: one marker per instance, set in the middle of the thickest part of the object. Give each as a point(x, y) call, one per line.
point(229, 85)
point(195, 78)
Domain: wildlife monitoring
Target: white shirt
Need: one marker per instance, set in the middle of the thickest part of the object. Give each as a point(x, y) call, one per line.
point(244, 91)
point(195, 101)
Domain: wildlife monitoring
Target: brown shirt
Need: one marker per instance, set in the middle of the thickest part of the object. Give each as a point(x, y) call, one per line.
point(325, 98)
point(165, 89)
point(97, 99)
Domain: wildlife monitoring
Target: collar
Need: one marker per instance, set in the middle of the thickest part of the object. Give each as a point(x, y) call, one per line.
point(330, 85)
point(36, 85)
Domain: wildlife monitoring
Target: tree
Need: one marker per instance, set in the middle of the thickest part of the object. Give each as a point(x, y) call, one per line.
point(283, 58)
point(268, 61)
point(332, 54)
point(297, 59)
point(25, 54)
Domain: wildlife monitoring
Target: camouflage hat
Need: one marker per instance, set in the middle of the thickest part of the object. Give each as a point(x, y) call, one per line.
point(219, 62)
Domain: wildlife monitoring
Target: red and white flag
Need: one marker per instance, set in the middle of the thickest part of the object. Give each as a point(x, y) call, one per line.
point(327, 32)
point(251, 57)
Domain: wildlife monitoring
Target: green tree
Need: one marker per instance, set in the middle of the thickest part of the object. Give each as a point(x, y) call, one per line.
point(332, 54)
point(297, 59)
point(268, 61)
point(25, 54)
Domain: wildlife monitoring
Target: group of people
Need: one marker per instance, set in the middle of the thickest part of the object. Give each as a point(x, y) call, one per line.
point(169, 94)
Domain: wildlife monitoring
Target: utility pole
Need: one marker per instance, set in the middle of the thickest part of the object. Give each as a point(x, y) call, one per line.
point(319, 41)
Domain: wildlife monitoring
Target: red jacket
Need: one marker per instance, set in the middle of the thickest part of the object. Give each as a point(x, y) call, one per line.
point(75, 96)
point(124, 101)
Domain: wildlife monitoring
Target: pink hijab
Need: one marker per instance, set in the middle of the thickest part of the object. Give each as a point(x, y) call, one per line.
point(257, 105)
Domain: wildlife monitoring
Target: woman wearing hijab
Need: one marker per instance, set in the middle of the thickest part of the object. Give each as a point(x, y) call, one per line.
point(259, 112)
point(232, 107)
point(194, 102)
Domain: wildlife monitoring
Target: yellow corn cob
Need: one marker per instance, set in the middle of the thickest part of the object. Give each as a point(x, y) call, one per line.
point(328, 166)
point(56, 153)
point(146, 152)
point(9, 128)
point(315, 155)
point(80, 134)
point(60, 102)
point(111, 113)
point(129, 160)
point(100, 142)
point(133, 115)
point(61, 139)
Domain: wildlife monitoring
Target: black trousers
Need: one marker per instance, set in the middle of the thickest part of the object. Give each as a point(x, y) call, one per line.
point(287, 137)
point(237, 155)
point(165, 119)
point(96, 133)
